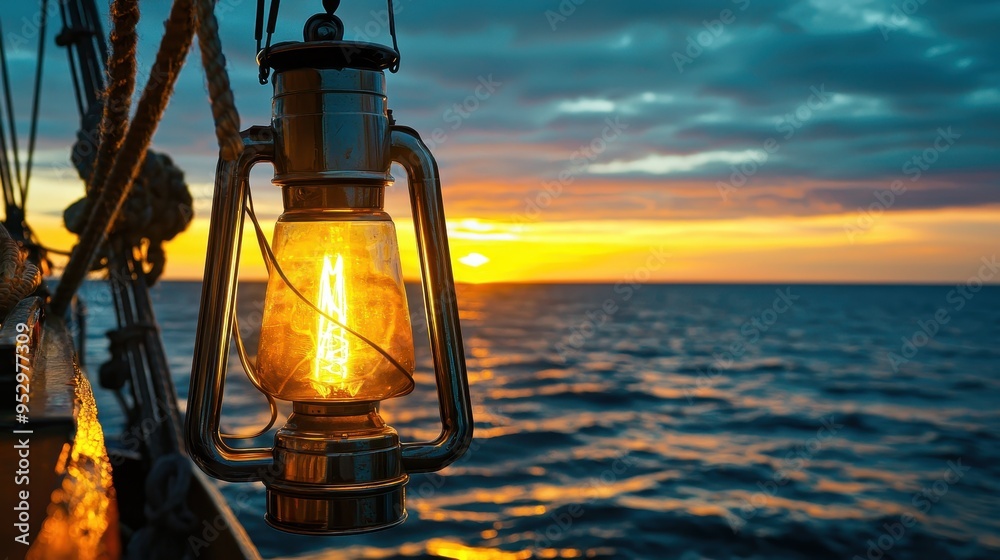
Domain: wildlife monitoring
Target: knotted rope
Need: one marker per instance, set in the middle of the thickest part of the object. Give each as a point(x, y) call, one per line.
point(169, 520)
point(169, 59)
point(227, 119)
point(18, 276)
point(158, 208)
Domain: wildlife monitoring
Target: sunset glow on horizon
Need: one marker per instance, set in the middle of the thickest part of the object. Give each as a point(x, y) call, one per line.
point(908, 247)
point(768, 155)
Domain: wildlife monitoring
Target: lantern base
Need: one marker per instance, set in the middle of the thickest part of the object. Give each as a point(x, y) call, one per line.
point(340, 472)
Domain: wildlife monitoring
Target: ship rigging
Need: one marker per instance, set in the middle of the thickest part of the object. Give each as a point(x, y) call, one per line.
point(335, 466)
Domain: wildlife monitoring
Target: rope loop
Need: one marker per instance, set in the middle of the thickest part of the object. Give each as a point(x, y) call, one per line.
point(18, 276)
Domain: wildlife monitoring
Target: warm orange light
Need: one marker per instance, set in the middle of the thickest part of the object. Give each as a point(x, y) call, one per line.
point(82, 519)
point(332, 349)
point(475, 260)
point(349, 269)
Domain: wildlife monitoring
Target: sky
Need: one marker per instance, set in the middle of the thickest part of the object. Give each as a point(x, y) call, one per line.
point(661, 141)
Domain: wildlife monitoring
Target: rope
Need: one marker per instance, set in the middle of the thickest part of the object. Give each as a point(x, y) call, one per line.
point(159, 207)
point(121, 85)
point(169, 520)
point(18, 276)
point(169, 59)
point(9, 183)
point(10, 115)
point(35, 103)
point(69, 58)
point(227, 119)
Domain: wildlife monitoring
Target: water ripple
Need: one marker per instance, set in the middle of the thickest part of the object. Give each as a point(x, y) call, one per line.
point(646, 436)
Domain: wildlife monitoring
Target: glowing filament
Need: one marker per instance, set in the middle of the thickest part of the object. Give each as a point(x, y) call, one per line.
point(349, 286)
point(330, 370)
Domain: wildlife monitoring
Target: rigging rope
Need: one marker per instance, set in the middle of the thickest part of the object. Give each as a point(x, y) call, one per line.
point(169, 59)
point(227, 119)
point(35, 103)
point(118, 95)
point(10, 200)
point(10, 115)
point(69, 56)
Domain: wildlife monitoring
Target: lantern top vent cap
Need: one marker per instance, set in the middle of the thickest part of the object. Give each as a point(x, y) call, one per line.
point(328, 55)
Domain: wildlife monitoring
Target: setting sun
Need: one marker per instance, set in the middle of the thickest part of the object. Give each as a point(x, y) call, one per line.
point(475, 260)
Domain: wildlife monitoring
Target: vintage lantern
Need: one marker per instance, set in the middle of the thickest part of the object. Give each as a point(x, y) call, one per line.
point(335, 337)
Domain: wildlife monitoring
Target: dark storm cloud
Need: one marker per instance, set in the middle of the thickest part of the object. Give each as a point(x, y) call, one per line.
point(706, 81)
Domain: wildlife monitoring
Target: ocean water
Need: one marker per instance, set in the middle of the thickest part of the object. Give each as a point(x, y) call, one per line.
point(679, 421)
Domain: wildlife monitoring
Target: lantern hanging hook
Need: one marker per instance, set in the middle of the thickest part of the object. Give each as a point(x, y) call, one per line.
point(320, 27)
point(392, 32)
point(324, 27)
point(272, 20)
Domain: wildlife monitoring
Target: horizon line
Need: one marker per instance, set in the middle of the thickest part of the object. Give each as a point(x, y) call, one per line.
point(819, 283)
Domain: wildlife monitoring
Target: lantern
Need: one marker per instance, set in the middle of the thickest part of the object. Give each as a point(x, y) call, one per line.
point(335, 336)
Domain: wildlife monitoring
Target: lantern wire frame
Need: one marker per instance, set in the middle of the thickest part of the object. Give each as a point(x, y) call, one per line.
point(250, 367)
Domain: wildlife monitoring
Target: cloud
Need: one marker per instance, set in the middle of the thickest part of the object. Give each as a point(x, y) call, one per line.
point(671, 164)
point(888, 94)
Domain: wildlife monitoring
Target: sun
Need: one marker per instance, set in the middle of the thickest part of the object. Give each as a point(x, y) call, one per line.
point(475, 260)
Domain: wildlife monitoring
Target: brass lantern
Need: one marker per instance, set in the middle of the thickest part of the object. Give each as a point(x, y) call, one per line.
point(335, 336)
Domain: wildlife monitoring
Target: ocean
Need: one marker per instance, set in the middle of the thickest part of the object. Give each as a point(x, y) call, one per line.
point(677, 421)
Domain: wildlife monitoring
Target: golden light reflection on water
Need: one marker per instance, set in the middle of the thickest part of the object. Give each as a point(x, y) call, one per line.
point(840, 487)
point(459, 551)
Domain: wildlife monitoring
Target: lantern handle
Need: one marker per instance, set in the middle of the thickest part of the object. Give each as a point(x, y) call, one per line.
point(440, 306)
point(215, 321)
